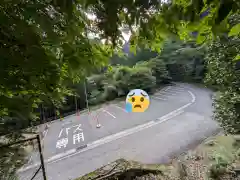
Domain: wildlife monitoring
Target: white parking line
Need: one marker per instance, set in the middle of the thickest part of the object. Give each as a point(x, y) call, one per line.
point(45, 133)
point(155, 97)
point(180, 88)
point(166, 89)
point(119, 107)
point(177, 90)
point(167, 93)
point(108, 113)
point(60, 133)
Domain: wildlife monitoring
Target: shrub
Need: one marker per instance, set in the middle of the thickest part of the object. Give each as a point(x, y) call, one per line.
point(121, 78)
point(142, 78)
point(223, 74)
point(158, 69)
point(110, 93)
point(96, 82)
point(220, 166)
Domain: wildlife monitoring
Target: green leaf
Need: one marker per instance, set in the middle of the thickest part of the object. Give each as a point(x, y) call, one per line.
point(235, 30)
point(200, 39)
point(237, 58)
point(34, 105)
point(24, 92)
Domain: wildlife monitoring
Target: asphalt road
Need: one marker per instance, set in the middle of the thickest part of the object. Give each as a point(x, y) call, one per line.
point(154, 142)
point(113, 118)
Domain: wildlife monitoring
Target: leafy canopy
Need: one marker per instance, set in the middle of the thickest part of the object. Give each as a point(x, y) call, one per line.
point(42, 50)
point(152, 21)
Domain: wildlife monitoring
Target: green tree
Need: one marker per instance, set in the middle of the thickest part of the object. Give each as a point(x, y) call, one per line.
point(184, 60)
point(131, 59)
point(121, 78)
point(188, 19)
point(158, 68)
point(43, 50)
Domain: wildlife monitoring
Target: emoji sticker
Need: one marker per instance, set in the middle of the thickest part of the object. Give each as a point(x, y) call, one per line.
point(137, 101)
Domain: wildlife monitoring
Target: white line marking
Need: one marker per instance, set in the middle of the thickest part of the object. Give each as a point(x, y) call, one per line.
point(120, 108)
point(60, 133)
point(66, 122)
point(180, 88)
point(30, 159)
point(167, 88)
point(78, 128)
point(177, 90)
point(193, 96)
point(155, 97)
point(108, 113)
point(165, 93)
point(116, 136)
point(59, 155)
point(67, 130)
point(45, 133)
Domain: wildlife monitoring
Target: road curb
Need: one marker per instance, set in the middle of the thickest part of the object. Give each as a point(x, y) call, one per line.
point(53, 158)
point(81, 147)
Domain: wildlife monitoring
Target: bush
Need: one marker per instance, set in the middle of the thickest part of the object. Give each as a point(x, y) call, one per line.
point(121, 78)
point(110, 93)
point(96, 100)
point(223, 74)
point(226, 113)
point(158, 69)
point(142, 78)
point(96, 82)
point(219, 167)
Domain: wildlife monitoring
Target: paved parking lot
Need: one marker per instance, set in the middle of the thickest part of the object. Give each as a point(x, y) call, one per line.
point(76, 131)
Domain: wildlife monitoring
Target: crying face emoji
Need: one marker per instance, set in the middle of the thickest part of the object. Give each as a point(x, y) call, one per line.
point(137, 101)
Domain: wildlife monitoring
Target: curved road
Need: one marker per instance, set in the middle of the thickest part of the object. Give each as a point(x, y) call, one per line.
point(179, 116)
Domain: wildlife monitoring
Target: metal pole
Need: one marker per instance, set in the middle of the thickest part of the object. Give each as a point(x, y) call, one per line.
point(43, 114)
point(98, 124)
point(76, 105)
point(41, 158)
point(85, 90)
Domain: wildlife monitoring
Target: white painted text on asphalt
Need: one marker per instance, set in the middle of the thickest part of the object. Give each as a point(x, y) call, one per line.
point(78, 136)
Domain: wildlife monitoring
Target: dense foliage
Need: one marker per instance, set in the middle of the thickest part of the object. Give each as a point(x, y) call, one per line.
point(185, 60)
point(223, 73)
point(158, 20)
point(121, 79)
point(178, 61)
point(42, 52)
